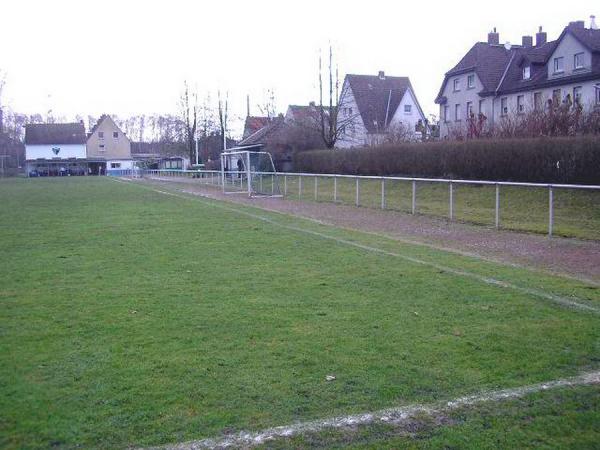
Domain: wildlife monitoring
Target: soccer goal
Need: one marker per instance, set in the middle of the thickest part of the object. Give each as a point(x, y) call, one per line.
point(248, 172)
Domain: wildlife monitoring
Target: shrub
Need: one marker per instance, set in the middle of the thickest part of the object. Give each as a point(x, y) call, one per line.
point(543, 160)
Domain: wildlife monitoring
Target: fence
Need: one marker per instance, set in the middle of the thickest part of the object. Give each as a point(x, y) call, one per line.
point(512, 205)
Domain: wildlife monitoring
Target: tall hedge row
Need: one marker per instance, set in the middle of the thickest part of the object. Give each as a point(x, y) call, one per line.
point(543, 160)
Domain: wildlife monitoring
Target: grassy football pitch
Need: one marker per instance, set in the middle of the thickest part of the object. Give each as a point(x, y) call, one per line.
point(132, 318)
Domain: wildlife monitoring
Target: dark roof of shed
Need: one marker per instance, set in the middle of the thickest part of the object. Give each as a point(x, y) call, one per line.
point(54, 133)
point(253, 124)
point(266, 133)
point(377, 98)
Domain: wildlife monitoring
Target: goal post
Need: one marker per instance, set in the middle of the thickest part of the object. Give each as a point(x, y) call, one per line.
point(250, 172)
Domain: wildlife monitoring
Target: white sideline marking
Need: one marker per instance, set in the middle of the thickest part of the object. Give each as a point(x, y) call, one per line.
point(395, 416)
point(487, 280)
point(403, 240)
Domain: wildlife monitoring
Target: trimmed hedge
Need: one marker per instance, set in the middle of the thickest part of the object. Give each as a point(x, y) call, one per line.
point(542, 160)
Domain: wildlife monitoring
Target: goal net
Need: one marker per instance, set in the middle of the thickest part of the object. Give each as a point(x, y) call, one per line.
point(249, 172)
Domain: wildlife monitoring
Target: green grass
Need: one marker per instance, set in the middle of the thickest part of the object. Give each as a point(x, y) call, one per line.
point(563, 418)
point(131, 318)
point(576, 212)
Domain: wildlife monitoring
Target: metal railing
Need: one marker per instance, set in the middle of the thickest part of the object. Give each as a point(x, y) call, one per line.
point(303, 183)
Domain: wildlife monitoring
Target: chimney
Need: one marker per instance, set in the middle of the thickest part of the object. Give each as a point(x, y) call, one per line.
point(527, 41)
point(593, 25)
point(541, 37)
point(577, 24)
point(494, 37)
point(381, 75)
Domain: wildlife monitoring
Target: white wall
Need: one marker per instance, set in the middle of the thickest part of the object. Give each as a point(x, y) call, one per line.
point(411, 119)
point(461, 98)
point(355, 134)
point(46, 152)
point(567, 49)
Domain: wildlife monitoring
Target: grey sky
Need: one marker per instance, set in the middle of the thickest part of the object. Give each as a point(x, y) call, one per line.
point(128, 57)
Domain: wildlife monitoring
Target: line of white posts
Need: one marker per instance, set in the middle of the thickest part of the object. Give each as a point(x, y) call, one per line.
point(215, 179)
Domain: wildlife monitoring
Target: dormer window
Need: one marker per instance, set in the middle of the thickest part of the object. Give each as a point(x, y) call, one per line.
point(578, 61)
point(559, 64)
point(407, 109)
point(115, 134)
point(470, 81)
point(526, 72)
point(100, 134)
point(456, 84)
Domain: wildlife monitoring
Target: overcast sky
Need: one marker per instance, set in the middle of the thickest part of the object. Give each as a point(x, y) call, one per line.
point(129, 57)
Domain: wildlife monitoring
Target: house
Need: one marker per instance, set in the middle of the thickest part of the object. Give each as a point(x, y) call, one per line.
point(493, 82)
point(108, 148)
point(53, 149)
point(374, 107)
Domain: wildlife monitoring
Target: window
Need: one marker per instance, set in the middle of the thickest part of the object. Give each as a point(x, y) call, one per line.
point(349, 111)
point(577, 95)
point(504, 106)
point(559, 64)
point(456, 84)
point(115, 165)
point(556, 97)
point(470, 81)
point(520, 104)
point(446, 113)
point(578, 61)
point(457, 112)
point(537, 101)
point(407, 109)
point(597, 87)
point(526, 72)
point(481, 105)
point(100, 134)
point(469, 109)
point(101, 147)
point(115, 134)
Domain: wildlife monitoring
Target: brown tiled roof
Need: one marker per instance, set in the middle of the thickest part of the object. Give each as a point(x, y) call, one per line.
point(377, 98)
point(265, 133)
point(54, 133)
point(253, 124)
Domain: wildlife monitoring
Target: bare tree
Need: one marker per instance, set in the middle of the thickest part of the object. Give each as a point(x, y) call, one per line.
point(269, 107)
point(223, 115)
point(330, 124)
point(189, 115)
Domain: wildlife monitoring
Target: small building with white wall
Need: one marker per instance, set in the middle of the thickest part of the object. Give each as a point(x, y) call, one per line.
point(54, 149)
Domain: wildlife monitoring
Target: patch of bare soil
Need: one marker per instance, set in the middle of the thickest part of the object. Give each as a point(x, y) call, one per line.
point(564, 256)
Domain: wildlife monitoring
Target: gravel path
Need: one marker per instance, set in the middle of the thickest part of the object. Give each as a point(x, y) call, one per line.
point(570, 257)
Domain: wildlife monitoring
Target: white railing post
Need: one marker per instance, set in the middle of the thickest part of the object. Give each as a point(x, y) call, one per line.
point(451, 208)
point(414, 197)
point(299, 186)
point(285, 185)
point(316, 188)
point(497, 205)
point(357, 191)
point(335, 189)
point(272, 184)
point(550, 210)
point(382, 193)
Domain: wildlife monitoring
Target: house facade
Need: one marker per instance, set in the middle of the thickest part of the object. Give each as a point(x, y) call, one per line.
point(495, 82)
point(375, 108)
point(108, 148)
point(53, 149)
